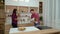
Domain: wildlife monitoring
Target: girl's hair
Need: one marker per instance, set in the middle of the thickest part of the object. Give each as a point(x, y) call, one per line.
point(14, 11)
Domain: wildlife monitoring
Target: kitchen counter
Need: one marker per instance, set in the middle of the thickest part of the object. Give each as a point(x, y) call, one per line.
point(35, 31)
point(46, 31)
point(28, 29)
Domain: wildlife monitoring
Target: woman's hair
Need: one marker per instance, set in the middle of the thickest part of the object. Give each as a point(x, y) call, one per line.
point(31, 10)
point(14, 11)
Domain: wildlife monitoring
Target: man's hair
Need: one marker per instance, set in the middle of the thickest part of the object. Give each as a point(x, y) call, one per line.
point(31, 10)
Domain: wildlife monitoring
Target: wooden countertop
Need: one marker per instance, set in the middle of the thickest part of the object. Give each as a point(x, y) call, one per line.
point(46, 31)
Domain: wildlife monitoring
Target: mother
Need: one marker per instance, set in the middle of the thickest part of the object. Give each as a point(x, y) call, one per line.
point(14, 18)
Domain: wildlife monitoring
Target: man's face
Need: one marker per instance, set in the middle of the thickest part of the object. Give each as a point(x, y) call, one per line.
point(32, 12)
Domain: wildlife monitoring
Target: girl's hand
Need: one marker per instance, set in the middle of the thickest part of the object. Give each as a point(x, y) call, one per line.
point(18, 15)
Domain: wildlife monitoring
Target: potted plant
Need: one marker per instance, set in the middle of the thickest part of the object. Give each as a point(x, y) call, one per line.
point(41, 20)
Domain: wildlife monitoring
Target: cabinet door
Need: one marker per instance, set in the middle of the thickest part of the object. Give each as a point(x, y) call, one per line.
point(2, 14)
point(1, 27)
point(1, 32)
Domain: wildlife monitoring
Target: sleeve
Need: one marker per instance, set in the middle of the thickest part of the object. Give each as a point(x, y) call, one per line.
point(31, 16)
point(36, 17)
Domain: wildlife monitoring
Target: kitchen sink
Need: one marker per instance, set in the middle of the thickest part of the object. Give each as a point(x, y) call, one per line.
point(44, 27)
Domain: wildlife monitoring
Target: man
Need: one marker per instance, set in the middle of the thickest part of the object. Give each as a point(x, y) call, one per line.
point(35, 18)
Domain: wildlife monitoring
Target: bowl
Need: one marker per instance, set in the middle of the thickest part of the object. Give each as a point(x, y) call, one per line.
point(21, 28)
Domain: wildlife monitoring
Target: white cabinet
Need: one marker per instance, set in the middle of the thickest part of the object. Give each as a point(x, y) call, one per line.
point(31, 3)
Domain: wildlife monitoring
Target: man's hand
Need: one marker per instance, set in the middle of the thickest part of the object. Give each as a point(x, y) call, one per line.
point(33, 20)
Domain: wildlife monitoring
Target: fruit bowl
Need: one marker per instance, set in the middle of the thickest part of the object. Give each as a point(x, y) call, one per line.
point(21, 28)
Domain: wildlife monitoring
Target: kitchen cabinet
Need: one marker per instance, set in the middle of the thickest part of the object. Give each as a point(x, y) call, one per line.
point(2, 13)
point(9, 8)
point(31, 3)
point(2, 26)
point(2, 17)
point(2, 9)
point(1, 32)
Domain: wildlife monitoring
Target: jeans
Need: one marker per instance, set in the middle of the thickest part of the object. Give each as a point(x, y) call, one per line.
point(37, 25)
point(14, 25)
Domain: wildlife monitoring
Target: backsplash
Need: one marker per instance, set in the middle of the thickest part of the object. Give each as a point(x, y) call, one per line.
point(23, 19)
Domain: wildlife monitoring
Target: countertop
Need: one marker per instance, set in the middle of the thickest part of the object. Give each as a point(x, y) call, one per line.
point(46, 31)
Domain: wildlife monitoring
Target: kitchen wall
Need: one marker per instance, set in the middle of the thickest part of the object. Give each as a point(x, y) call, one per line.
point(57, 20)
point(49, 9)
point(51, 12)
point(25, 9)
point(31, 3)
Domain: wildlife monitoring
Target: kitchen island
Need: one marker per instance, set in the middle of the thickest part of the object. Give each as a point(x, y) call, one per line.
point(33, 30)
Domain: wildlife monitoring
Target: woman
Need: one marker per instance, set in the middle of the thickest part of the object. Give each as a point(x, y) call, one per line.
point(14, 18)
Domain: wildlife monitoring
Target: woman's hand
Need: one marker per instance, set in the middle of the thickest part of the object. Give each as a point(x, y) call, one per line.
point(18, 15)
point(15, 19)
